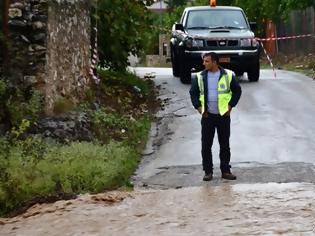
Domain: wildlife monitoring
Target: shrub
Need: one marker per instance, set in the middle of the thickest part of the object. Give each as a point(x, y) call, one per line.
point(21, 105)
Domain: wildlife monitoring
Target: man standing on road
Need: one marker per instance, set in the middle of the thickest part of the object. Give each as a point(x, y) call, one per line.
point(214, 93)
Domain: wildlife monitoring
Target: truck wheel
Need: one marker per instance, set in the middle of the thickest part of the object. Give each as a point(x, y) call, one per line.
point(185, 74)
point(253, 73)
point(175, 63)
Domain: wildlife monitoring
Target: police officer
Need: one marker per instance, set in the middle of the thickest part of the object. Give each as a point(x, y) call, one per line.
point(214, 92)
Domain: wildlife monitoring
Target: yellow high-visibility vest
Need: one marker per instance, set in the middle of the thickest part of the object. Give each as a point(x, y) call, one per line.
point(224, 91)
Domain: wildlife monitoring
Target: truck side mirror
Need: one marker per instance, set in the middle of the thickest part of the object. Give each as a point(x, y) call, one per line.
point(253, 25)
point(179, 26)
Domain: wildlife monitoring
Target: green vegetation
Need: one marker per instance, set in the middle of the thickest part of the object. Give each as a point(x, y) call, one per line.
point(258, 10)
point(17, 104)
point(50, 170)
point(265, 9)
point(122, 27)
point(33, 169)
point(302, 64)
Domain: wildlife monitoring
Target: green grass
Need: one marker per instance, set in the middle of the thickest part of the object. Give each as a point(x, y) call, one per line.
point(127, 79)
point(291, 67)
point(306, 71)
point(302, 64)
point(75, 168)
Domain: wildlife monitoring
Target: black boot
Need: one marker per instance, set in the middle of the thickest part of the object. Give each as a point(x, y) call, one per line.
point(228, 175)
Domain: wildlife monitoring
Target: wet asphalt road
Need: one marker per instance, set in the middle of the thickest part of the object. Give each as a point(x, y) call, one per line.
point(272, 133)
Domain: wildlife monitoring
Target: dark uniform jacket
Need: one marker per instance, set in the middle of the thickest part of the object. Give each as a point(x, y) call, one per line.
point(195, 92)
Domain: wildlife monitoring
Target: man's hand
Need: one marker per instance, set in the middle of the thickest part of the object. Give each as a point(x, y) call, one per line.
point(229, 111)
point(200, 110)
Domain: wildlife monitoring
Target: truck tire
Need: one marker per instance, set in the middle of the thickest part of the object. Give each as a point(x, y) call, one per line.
point(253, 73)
point(175, 63)
point(185, 73)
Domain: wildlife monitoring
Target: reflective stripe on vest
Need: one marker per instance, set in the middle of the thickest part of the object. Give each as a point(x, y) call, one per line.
point(201, 90)
point(224, 92)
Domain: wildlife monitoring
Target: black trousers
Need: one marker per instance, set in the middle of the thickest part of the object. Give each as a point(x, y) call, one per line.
point(210, 123)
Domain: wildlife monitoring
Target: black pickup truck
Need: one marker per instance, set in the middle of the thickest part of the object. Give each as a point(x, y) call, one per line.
point(221, 29)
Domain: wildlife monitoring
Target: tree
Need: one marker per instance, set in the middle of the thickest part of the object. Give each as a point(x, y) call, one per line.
point(261, 10)
point(265, 9)
point(290, 5)
point(171, 4)
point(4, 5)
point(121, 30)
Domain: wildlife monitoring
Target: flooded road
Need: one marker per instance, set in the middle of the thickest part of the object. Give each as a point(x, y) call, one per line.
point(273, 156)
point(242, 209)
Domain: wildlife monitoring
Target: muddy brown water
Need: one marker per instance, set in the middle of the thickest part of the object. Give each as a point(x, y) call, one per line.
point(241, 209)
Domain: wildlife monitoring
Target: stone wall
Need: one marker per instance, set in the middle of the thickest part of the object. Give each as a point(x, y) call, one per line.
point(27, 41)
point(50, 47)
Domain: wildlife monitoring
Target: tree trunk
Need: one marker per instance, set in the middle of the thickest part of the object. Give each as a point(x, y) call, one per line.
point(5, 30)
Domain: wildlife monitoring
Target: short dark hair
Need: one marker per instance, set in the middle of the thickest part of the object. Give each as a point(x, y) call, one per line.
point(213, 55)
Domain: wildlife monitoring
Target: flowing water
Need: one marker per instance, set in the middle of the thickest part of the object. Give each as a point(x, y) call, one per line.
point(241, 209)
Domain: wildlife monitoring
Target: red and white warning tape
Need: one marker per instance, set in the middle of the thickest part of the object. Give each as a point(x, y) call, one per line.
point(283, 38)
point(279, 38)
point(94, 60)
point(259, 39)
point(270, 61)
